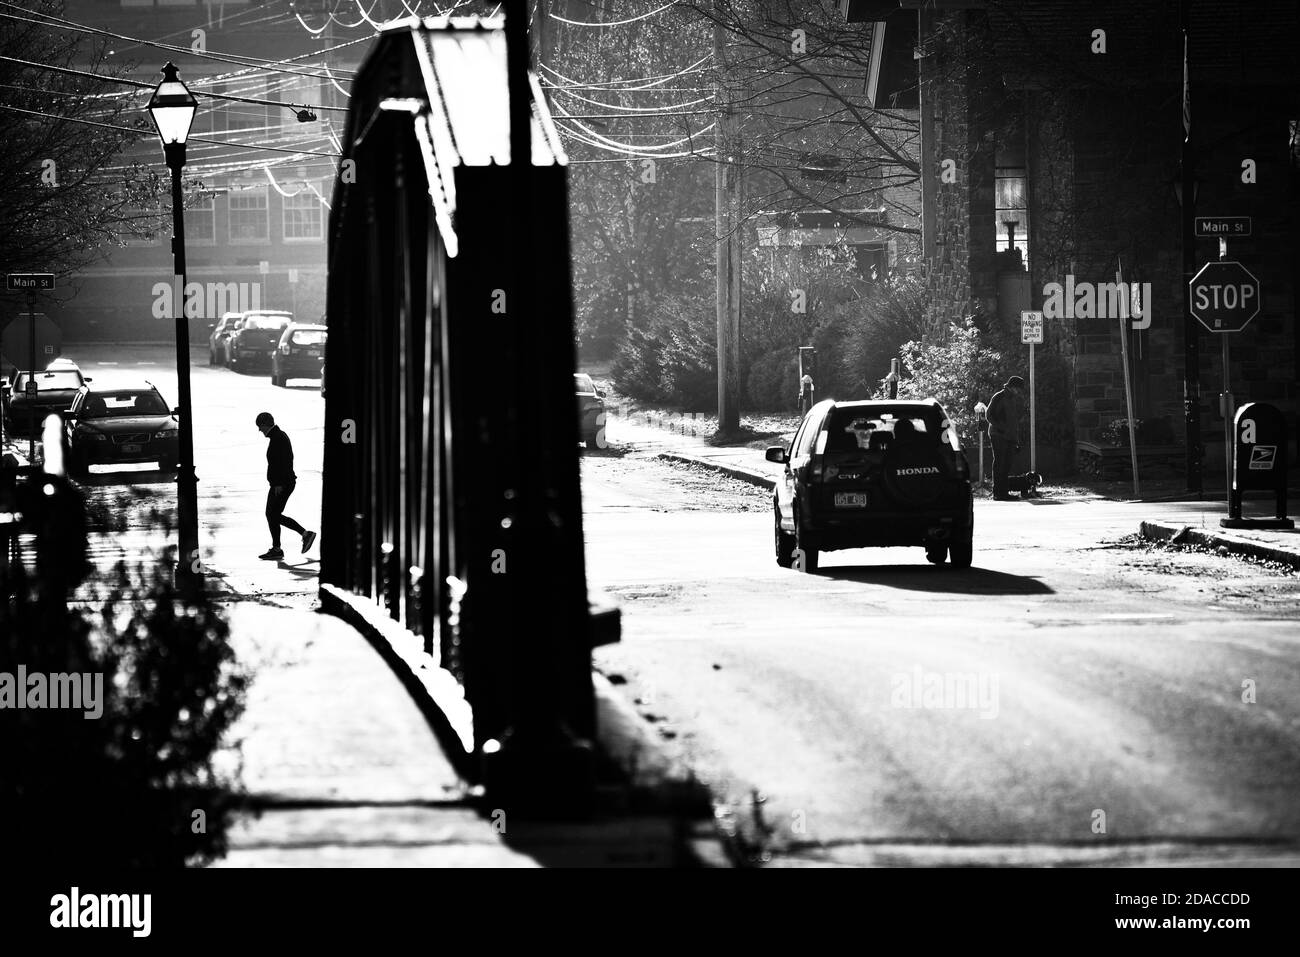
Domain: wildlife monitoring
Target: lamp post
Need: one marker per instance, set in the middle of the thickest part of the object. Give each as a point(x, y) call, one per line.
point(172, 108)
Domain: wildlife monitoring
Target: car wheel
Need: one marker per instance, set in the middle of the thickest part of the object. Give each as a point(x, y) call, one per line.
point(805, 549)
point(961, 552)
point(785, 543)
point(590, 438)
point(936, 553)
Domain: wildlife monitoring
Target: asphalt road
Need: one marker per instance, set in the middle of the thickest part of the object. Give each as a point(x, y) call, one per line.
point(1067, 700)
point(888, 711)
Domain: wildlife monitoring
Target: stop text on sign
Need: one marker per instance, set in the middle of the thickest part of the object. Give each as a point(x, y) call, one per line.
point(1231, 296)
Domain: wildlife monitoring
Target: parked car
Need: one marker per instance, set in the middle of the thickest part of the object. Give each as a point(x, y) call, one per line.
point(255, 339)
point(221, 340)
point(300, 353)
point(32, 398)
point(124, 424)
point(216, 349)
point(873, 473)
point(591, 409)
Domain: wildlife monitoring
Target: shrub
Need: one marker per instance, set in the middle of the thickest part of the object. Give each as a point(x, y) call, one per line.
point(673, 359)
point(120, 790)
point(956, 372)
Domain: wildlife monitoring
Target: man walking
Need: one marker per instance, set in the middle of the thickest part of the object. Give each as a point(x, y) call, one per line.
point(281, 477)
point(1004, 413)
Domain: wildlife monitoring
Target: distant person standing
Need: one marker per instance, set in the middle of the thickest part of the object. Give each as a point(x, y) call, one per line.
point(1004, 413)
point(280, 476)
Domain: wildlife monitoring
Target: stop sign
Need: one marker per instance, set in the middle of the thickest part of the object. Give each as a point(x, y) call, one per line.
point(1224, 296)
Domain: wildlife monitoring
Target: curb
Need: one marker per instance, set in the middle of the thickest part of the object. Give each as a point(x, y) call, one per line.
point(1156, 531)
point(753, 478)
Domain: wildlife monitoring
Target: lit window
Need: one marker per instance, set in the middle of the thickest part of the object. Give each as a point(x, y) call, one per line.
point(302, 215)
point(1012, 210)
point(250, 220)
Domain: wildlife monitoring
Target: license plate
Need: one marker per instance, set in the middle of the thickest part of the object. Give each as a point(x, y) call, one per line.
point(313, 352)
point(129, 449)
point(850, 499)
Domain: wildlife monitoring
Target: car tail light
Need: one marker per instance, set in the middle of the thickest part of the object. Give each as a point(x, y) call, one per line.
point(963, 467)
point(284, 349)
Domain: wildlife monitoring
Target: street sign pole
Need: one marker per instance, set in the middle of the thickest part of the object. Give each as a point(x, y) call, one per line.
point(1128, 388)
point(1031, 333)
point(31, 370)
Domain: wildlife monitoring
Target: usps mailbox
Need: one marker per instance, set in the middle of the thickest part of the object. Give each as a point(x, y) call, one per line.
point(1259, 463)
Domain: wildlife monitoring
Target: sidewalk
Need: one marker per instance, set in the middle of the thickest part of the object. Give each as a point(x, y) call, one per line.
point(340, 760)
point(1154, 520)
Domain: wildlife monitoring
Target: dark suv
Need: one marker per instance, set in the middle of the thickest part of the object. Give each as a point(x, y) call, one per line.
point(255, 339)
point(875, 473)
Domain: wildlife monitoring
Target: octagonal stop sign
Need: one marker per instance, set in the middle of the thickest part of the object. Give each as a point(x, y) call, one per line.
point(1224, 296)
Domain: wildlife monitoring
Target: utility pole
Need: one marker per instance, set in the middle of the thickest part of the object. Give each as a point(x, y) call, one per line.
point(1191, 328)
point(727, 239)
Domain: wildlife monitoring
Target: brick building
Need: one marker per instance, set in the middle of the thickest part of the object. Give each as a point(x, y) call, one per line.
point(1055, 129)
point(254, 218)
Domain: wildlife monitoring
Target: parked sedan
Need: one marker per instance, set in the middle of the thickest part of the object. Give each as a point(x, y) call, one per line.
point(300, 353)
point(591, 409)
point(120, 426)
point(216, 345)
point(220, 340)
point(256, 339)
point(32, 398)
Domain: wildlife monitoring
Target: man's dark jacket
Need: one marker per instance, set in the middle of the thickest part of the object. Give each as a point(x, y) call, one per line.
point(1004, 413)
point(279, 458)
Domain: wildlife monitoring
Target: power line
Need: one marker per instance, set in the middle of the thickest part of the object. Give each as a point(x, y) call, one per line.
point(615, 23)
point(60, 23)
point(138, 132)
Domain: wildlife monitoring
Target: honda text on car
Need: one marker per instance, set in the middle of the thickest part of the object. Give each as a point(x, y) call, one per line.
point(300, 353)
point(123, 425)
point(591, 409)
point(873, 473)
point(255, 339)
point(33, 397)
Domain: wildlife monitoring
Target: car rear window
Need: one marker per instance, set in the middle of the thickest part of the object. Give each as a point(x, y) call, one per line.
point(110, 404)
point(309, 337)
point(582, 383)
point(266, 322)
point(48, 381)
point(851, 429)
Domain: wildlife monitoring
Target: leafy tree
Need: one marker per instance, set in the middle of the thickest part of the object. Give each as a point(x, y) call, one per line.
point(65, 196)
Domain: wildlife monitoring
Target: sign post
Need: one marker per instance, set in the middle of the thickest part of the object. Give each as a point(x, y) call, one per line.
point(1224, 297)
point(1128, 387)
point(30, 283)
point(1031, 332)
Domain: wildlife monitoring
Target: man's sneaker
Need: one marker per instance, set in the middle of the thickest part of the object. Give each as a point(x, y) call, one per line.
point(272, 554)
point(307, 539)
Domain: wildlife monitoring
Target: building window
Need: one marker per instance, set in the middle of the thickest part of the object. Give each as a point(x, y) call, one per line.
point(240, 115)
point(1012, 211)
point(201, 221)
point(250, 218)
point(302, 216)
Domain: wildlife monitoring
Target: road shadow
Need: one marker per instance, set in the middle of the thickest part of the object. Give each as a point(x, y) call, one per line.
point(939, 578)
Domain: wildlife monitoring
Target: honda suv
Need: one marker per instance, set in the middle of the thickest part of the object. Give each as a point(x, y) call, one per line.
point(874, 473)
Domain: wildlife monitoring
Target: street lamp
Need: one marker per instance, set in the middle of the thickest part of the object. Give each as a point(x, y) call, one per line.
point(172, 108)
